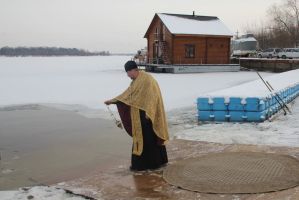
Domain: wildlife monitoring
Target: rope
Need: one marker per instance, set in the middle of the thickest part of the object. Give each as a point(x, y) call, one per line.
point(117, 122)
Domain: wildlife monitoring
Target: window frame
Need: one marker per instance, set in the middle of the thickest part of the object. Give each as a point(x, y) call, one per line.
point(190, 50)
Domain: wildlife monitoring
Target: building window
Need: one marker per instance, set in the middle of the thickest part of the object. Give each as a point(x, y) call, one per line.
point(157, 34)
point(189, 50)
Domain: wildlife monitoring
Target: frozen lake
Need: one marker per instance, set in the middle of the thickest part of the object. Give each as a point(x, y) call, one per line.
point(89, 81)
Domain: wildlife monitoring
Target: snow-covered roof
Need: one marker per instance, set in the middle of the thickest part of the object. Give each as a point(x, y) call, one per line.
point(194, 25)
point(248, 39)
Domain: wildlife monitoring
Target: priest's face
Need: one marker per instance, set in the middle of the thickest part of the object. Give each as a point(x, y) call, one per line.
point(133, 73)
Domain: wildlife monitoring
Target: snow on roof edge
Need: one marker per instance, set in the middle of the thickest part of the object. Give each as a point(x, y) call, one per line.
point(180, 25)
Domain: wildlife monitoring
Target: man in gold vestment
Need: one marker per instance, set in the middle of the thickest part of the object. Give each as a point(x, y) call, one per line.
point(142, 113)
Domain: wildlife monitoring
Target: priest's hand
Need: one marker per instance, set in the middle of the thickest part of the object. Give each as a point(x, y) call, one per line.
point(108, 102)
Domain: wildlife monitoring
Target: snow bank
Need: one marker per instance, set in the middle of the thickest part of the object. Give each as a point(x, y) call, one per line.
point(257, 88)
point(39, 193)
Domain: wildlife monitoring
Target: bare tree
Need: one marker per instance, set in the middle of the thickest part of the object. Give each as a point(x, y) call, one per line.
point(281, 29)
point(285, 21)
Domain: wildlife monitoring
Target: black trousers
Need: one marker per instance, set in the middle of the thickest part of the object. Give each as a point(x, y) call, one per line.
point(153, 155)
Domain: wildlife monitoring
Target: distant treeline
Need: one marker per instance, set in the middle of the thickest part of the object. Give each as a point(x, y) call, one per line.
point(48, 51)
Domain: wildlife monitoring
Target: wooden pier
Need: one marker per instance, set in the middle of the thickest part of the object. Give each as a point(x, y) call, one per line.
point(265, 64)
point(189, 68)
point(237, 64)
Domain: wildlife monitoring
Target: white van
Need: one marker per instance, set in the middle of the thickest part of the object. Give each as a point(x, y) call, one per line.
point(269, 53)
point(289, 53)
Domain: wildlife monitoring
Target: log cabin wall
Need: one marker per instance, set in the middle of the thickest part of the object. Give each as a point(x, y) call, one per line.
point(158, 31)
point(168, 38)
point(208, 50)
point(218, 50)
point(154, 34)
point(179, 44)
point(151, 38)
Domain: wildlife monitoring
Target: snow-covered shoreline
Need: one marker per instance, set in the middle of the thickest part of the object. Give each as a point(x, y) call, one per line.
point(44, 193)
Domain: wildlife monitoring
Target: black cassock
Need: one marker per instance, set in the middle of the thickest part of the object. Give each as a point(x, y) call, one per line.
point(154, 154)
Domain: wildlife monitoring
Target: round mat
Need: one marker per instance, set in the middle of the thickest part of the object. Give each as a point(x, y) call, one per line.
point(234, 173)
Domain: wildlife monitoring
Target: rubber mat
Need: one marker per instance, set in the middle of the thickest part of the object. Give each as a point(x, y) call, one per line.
point(238, 172)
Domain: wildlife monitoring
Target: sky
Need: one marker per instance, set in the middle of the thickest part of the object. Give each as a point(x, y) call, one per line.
point(117, 26)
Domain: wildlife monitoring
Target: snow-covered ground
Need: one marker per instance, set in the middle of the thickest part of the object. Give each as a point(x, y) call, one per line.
point(39, 193)
point(283, 130)
point(257, 88)
point(89, 81)
point(84, 83)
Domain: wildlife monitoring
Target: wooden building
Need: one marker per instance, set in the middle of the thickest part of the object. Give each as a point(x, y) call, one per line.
point(187, 39)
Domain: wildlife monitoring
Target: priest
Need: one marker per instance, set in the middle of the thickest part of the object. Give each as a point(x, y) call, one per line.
point(142, 113)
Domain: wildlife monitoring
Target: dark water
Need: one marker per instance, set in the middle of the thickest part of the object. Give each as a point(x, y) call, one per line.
point(41, 145)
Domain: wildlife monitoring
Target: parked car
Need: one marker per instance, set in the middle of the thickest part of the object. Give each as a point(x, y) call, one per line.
point(289, 53)
point(269, 53)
